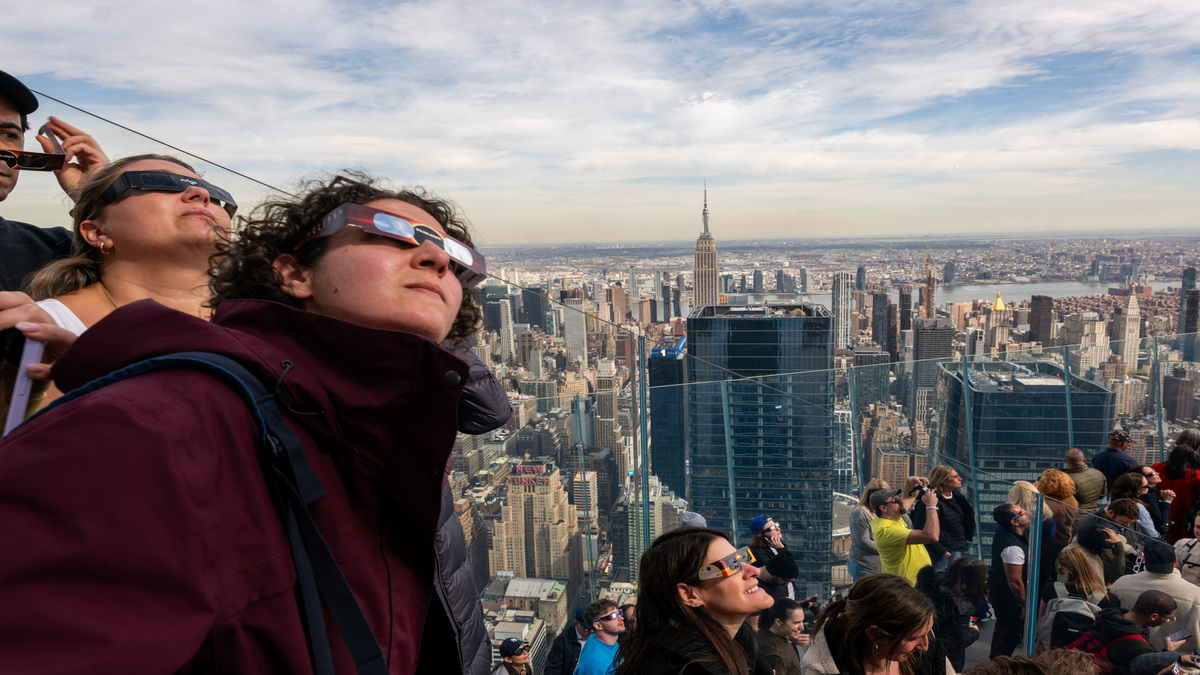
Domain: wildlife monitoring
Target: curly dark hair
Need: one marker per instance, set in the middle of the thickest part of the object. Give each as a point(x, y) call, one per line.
point(245, 267)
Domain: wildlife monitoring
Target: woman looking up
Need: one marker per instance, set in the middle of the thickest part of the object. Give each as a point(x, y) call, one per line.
point(695, 591)
point(165, 528)
point(145, 227)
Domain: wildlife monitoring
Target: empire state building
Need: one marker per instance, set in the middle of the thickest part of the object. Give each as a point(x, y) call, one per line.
point(704, 271)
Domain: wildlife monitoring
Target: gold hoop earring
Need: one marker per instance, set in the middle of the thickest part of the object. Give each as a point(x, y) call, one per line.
point(109, 250)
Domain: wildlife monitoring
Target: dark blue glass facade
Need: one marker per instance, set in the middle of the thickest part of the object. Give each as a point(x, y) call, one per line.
point(668, 413)
point(761, 433)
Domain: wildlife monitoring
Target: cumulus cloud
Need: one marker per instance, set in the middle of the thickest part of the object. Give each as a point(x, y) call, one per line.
point(546, 119)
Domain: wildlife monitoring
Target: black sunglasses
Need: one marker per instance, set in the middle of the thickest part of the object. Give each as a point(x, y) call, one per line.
point(163, 181)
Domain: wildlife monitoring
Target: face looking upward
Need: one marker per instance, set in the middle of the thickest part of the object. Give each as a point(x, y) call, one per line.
point(12, 137)
point(730, 599)
point(380, 282)
point(152, 226)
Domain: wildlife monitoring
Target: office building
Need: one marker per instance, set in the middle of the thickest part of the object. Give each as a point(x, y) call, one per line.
point(704, 268)
point(1019, 423)
point(879, 314)
point(843, 311)
point(760, 427)
point(576, 326)
point(860, 279)
point(1041, 320)
point(1086, 334)
point(1127, 324)
point(668, 412)
point(537, 525)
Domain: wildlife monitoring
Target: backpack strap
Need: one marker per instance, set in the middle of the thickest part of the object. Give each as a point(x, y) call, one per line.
point(294, 487)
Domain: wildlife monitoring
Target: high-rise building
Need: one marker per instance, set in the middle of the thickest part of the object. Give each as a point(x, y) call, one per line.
point(1127, 330)
point(879, 314)
point(1020, 424)
point(576, 325)
point(871, 371)
point(664, 511)
point(1178, 397)
point(1087, 338)
point(668, 412)
point(948, 273)
point(843, 310)
point(860, 278)
point(1188, 284)
point(906, 305)
point(537, 524)
point(586, 499)
point(758, 281)
point(803, 280)
point(760, 429)
point(704, 267)
point(609, 433)
point(1041, 320)
point(932, 339)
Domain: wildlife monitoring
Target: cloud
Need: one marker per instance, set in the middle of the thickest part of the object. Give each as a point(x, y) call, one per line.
point(544, 118)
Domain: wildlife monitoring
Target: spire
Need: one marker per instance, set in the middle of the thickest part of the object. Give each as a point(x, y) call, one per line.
point(998, 305)
point(704, 214)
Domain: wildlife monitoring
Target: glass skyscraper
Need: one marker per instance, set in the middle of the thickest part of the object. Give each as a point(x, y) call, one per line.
point(761, 432)
point(1020, 422)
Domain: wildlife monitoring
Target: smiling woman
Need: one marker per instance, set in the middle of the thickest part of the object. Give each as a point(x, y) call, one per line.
point(694, 595)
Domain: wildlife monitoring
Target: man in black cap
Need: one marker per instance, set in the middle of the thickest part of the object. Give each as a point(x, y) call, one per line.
point(514, 658)
point(1114, 460)
point(24, 247)
point(564, 653)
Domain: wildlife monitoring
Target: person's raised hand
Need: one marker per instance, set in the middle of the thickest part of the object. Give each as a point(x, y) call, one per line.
point(80, 147)
point(930, 498)
point(1166, 495)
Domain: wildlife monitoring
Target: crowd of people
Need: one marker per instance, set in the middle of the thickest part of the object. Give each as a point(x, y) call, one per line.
point(204, 527)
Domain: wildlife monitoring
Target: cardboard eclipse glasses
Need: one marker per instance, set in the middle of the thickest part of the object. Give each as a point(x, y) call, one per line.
point(467, 263)
point(725, 567)
point(37, 161)
point(163, 181)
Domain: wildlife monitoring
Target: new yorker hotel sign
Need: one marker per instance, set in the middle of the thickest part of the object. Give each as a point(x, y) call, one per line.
point(529, 474)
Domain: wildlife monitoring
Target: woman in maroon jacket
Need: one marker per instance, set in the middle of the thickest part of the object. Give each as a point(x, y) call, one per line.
point(138, 532)
point(1179, 475)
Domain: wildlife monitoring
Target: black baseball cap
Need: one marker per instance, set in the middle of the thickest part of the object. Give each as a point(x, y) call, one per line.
point(12, 89)
point(511, 647)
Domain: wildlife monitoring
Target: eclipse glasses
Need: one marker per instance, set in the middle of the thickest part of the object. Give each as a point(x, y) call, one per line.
point(725, 567)
point(467, 263)
point(163, 181)
point(37, 161)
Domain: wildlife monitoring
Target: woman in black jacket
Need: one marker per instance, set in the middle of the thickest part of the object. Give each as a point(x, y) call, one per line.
point(955, 516)
point(957, 593)
point(695, 591)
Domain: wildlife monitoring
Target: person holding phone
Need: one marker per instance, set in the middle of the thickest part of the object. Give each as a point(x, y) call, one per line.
point(1159, 574)
point(1121, 636)
point(148, 540)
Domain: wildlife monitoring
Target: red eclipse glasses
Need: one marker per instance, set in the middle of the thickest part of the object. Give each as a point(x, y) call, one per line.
point(37, 161)
point(467, 263)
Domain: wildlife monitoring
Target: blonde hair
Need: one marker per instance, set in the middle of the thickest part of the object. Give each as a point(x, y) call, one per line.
point(1021, 495)
point(1080, 571)
point(876, 484)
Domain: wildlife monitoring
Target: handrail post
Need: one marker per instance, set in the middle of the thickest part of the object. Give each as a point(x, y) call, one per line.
point(966, 381)
point(729, 461)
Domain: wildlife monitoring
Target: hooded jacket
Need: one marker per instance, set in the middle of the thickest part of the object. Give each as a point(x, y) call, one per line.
point(1111, 625)
point(145, 539)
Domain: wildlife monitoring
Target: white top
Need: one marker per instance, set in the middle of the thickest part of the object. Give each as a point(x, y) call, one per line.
point(62, 316)
point(1013, 555)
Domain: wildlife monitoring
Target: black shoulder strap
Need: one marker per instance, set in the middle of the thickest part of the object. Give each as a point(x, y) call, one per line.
point(294, 487)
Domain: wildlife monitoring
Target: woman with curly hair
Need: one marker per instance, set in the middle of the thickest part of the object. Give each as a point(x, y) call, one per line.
point(147, 498)
point(1133, 485)
point(1179, 475)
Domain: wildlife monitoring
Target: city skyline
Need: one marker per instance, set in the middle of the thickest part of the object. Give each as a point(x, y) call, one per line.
point(601, 123)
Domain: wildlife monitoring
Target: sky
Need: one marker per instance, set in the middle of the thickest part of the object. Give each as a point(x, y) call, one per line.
point(602, 121)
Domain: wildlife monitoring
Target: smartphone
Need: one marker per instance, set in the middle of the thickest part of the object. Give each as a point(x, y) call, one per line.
point(1180, 635)
point(18, 386)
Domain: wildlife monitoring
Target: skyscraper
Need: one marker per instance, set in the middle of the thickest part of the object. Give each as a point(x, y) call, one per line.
point(1019, 422)
point(537, 524)
point(704, 267)
point(930, 290)
point(1041, 320)
point(906, 306)
point(1086, 334)
point(860, 278)
point(1127, 325)
point(879, 314)
point(760, 425)
point(843, 310)
point(668, 412)
point(758, 281)
point(576, 324)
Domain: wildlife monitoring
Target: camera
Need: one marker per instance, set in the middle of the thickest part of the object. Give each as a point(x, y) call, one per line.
point(919, 490)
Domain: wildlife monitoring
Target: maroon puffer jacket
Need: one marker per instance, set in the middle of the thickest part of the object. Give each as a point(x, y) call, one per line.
point(136, 532)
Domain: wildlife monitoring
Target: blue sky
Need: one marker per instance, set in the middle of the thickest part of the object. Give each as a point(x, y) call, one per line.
point(599, 121)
